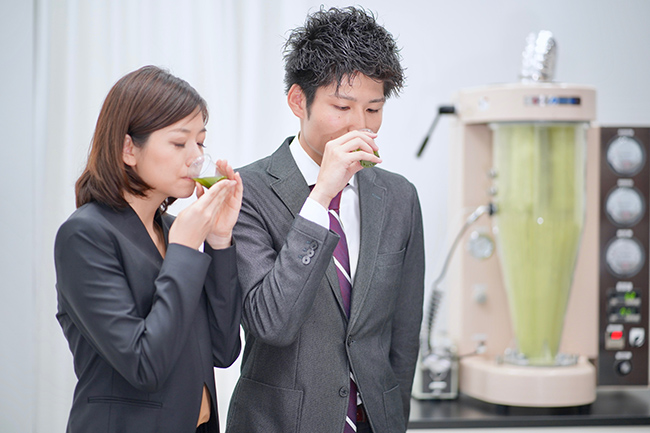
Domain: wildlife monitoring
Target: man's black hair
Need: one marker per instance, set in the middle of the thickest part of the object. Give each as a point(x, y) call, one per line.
point(334, 45)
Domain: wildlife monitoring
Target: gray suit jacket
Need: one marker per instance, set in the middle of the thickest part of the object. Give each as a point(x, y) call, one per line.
point(145, 332)
point(300, 346)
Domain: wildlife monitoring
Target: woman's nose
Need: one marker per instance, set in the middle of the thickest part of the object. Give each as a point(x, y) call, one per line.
point(195, 153)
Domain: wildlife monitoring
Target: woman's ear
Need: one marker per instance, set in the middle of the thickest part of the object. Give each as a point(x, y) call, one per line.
point(128, 153)
point(297, 101)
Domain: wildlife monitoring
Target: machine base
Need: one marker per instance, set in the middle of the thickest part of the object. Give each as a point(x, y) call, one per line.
point(512, 385)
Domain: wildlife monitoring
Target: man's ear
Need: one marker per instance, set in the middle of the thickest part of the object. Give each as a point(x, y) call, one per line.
point(128, 153)
point(297, 101)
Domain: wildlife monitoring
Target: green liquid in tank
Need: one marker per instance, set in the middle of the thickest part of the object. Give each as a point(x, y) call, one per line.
point(541, 204)
point(209, 180)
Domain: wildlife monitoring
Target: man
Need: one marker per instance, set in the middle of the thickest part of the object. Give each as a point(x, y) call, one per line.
point(332, 300)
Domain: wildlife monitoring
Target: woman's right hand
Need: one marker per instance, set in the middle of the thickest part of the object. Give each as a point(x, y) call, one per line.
point(194, 223)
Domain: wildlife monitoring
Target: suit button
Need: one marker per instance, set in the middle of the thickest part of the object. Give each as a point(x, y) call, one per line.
point(343, 392)
point(306, 260)
point(310, 253)
point(313, 245)
point(350, 341)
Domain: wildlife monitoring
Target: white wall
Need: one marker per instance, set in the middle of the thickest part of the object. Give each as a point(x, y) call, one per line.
point(447, 45)
point(17, 198)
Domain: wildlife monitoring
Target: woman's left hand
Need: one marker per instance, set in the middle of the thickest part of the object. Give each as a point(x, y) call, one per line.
point(221, 234)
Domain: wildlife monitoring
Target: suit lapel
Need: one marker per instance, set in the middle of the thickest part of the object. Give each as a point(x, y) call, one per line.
point(333, 279)
point(291, 188)
point(287, 183)
point(372, 204)
point(126, 220)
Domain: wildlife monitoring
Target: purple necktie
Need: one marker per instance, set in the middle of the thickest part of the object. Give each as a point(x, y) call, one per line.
point(342, 262)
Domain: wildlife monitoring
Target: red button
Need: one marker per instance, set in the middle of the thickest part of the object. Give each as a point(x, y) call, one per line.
point(616, 335)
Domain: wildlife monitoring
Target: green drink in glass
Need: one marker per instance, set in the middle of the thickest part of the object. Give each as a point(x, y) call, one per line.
point(368, 164)
point(204, 171)
point(541, 208)
point(208, 181)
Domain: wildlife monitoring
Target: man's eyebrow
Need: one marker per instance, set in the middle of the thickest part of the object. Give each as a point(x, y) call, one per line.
point(350, 98)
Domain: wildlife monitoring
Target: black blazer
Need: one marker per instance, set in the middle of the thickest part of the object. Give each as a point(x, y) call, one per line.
point(144, 332)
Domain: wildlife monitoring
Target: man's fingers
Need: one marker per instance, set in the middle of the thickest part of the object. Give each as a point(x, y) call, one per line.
point(358, 138)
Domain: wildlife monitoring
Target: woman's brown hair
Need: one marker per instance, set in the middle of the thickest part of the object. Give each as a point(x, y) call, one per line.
point(140, 103)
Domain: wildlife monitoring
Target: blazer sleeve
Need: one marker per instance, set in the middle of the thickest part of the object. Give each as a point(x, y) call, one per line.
point(224, 301)
point(279, 287)
point(94, 290)
point(407, 320)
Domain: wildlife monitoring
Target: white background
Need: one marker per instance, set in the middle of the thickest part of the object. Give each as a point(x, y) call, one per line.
point(59, 59)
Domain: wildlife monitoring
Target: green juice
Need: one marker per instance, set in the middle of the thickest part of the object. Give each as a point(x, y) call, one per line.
point(541, 206)
point(208, 181)
point(368, 164)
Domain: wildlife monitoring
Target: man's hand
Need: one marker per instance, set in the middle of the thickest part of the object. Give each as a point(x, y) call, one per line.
point(341, 160)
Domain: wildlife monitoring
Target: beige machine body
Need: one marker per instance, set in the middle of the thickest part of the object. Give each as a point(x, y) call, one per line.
point(479, 312)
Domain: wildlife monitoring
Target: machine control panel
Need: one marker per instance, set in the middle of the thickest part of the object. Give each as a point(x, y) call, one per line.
point(623, 353)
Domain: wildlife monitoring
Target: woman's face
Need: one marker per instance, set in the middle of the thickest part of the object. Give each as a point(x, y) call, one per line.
point(164, 159)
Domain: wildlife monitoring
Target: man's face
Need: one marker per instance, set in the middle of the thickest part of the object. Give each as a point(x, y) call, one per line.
point(358, 104)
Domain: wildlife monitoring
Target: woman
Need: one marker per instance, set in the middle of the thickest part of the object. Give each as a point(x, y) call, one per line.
point(146, 314)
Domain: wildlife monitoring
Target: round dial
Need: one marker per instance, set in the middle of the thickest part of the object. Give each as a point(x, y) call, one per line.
point(625, 206)
point(625, 155)
point(480, 245)
point(624, 368)
point(624, 257)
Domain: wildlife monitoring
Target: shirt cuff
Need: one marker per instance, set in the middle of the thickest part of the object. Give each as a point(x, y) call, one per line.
point(315, 212)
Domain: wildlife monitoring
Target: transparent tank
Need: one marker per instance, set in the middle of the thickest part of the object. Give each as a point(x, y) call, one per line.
point(540, 215)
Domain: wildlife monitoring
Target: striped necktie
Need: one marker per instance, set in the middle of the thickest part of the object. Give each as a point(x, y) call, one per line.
point(342, 262)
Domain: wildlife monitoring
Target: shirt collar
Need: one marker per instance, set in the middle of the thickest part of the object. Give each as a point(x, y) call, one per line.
point(308, 166)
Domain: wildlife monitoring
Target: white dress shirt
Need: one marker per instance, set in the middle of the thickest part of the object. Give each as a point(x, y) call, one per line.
point(348, 211)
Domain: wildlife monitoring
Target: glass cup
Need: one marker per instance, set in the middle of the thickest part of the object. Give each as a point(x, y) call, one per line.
point(204, 171)
point(367, 164)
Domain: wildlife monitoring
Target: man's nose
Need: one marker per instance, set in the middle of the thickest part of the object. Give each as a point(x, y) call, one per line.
point(357, 120)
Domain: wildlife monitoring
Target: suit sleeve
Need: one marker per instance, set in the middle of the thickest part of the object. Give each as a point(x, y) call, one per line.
point(408, 311)
point(224, 299)
point(94, 291)
point(279, 287)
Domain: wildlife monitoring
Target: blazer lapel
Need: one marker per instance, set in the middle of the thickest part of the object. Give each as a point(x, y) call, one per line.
point(291, 188)
point(372, 204)
point(288, 182)
point(333, 279)
point(126, 220)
